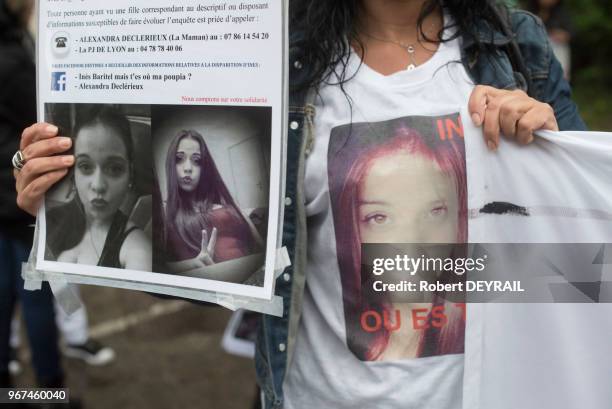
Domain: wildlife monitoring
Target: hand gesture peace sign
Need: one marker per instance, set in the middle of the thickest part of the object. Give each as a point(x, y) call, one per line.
point(207, 252)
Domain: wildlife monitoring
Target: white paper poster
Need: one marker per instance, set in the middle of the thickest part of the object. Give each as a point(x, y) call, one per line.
point(176, 112)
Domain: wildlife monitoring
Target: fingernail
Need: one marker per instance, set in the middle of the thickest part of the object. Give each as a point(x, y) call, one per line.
point(65, 142)
point(51, 129)
point(492, 146)
point(476, 119)
point(68, 160)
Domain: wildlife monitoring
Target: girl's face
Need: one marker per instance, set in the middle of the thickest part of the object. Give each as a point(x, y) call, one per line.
point(102, 171)
point(188, 164)
point(406, 198)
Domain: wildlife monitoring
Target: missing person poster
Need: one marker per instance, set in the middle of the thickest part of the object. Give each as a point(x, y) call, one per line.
point(175, 109)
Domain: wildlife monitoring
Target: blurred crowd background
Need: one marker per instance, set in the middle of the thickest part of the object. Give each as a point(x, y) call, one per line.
point(581, 31)
point(168, 354)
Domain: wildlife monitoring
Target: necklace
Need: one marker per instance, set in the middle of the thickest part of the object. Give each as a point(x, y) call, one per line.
point(93, 244)
point(409, 48)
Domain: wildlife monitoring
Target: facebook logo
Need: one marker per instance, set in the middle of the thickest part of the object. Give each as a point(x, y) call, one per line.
point(58, 81)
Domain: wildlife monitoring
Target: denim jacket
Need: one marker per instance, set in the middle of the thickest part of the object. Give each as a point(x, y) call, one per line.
point(276, 337)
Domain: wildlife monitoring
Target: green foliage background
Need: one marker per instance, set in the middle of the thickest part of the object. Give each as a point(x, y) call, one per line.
point(592, 60)
point(592, 45)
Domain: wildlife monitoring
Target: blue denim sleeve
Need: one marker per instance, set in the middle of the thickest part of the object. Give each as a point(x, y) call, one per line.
point(558, 94)
point(546, 73)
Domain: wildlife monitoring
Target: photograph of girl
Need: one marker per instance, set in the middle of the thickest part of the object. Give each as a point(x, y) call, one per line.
point(398, 181)
point(99, 214)
point(212, 199)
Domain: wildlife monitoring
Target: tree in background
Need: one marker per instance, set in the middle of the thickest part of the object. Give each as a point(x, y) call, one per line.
point(591, 59)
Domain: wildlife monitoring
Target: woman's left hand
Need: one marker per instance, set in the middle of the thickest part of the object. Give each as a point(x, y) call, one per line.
point(514, 113)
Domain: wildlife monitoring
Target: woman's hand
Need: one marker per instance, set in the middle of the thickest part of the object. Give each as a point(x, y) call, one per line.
point(514, 113)
point(208, 247)
point(43, 167)
point(199, 264)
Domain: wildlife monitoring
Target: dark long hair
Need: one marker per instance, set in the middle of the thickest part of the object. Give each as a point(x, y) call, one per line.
point(110, 117)
point(189, 214)
point(324, 30)
point(60, 238)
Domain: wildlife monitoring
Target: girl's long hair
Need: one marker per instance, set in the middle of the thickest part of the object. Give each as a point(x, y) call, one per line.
point(370, 346)
point(189, 213)
point(60, 238)
point(323, 32)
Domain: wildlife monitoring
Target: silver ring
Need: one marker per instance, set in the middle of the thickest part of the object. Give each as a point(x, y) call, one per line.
point(18, 160)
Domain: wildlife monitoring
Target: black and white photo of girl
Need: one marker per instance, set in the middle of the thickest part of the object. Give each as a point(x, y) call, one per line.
point(100, 214)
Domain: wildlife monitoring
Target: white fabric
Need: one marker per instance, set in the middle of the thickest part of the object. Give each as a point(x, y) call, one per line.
point(524, 356)
point(563, 52)
point(532, 356)
point(74, 328)
point(324, 372)
point(15, 338)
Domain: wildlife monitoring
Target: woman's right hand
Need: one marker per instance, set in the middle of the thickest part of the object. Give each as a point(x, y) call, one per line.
point(43, 167)
point(207, 253)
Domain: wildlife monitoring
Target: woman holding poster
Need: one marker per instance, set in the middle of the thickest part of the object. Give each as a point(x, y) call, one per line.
point(369, 65)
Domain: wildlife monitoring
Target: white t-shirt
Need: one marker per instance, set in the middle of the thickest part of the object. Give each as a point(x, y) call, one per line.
point(534, 356)
point(388, 167)
point(516, 355)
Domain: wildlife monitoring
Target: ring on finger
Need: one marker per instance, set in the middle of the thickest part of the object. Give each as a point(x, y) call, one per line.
point(18, 160)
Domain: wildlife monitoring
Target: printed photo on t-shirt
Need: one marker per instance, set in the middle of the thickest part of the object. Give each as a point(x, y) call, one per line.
point(398, 181)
